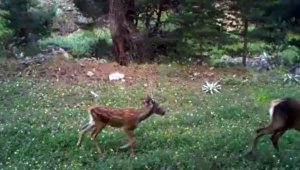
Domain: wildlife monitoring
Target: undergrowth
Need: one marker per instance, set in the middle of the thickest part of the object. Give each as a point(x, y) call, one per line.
point(82, 42)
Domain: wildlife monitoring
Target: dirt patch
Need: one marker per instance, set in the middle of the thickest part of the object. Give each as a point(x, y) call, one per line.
point(89, 71)
point(210, 73)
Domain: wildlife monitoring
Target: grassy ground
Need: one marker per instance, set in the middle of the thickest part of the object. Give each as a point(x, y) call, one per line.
point(39, 125)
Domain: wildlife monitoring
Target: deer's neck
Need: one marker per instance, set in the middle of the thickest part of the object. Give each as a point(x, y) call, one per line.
point(145, 112)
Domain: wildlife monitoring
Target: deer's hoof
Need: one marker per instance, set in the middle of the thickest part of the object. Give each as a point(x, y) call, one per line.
point(123, 147)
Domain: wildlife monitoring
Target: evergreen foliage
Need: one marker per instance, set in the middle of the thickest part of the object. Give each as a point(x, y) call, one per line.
point(177, 29)
point(27, 18)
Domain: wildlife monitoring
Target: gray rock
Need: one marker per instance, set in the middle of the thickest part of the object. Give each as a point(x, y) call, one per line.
point(102, 61)
point(226, 58)
point(92, 59)
point(83, 20)
point(46, 54)
point(295, 69)
point(259, 62)
point(68, 17)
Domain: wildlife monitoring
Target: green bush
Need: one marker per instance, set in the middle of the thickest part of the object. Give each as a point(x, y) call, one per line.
point(27, 18)
point(4, 32)
point(82, 42)
point(3, 24)
point(289, 55)
point(257, 47)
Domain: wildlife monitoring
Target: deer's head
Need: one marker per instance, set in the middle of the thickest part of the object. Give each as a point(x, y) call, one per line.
point(155, 108)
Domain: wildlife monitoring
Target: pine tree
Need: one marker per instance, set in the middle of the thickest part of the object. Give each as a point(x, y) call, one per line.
point(249, 12)
point(197, 26)
point(26, 18)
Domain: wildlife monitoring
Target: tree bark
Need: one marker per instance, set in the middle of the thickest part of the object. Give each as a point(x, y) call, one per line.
point(127, 40)
point(245, 37)
point(158, 19)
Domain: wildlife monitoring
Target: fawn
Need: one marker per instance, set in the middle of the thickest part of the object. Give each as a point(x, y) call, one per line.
point(285, 115)
point(126, 118)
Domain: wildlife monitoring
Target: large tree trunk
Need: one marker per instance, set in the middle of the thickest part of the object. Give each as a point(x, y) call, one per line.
point(128, 42)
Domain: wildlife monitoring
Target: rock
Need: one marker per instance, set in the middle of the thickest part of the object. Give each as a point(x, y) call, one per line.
point(90, 73)
point(209, 74)
point(226, 58)
point(237, 60)
point(49, 53)
point(68, 17)
point(66, 55)
point(116, 76)
point(92, 59)
point(196, 74)
point(94, 94)
point(295, 69)
point(102, 61)
point(54, 50)
point(83, 20)
point(259, 62)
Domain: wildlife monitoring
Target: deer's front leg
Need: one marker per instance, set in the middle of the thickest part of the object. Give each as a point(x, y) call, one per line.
point(94, 134)
point(131, 140)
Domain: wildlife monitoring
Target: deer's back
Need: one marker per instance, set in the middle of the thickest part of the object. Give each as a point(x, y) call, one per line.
point(116, 117)
point(288, 110)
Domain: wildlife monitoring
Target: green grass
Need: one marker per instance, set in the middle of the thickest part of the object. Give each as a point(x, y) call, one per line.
point(39, 125)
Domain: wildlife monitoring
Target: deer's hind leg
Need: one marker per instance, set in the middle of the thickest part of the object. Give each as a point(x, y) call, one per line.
point(273, 128)
point(84, 129)
point(275, 137)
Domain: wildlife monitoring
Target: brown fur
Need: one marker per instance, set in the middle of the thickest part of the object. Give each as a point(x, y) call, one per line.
point(126, 118)
point(286, 115)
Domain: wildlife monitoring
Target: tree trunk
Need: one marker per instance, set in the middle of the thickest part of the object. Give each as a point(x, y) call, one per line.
point(127, 40)
point(245, 37)
point(158, 19)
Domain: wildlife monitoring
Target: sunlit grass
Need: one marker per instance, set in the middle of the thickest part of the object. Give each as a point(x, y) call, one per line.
point(39, 125)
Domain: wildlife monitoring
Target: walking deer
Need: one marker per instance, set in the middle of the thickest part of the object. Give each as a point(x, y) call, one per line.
point(285, 115)
point(126, 118)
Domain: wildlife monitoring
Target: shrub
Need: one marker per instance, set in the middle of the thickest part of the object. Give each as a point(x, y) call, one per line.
point(3, 23)
point(291, 78)
point(82, 42)
point(27, 18)
point(211, 88)
point(4, 31)
point(289, 55)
